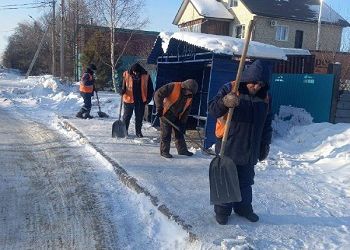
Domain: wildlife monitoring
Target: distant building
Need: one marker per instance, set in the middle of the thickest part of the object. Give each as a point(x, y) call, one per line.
point(283, 23)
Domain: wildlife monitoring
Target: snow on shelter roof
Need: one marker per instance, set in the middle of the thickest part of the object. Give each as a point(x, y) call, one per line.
point(224, 45)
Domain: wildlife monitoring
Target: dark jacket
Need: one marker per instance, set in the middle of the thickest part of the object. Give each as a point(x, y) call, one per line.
point(251, 122)
point(177, 107)
point(137, 84)
point(88, 80)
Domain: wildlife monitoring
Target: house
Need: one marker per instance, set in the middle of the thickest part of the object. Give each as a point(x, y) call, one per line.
point(283, 23)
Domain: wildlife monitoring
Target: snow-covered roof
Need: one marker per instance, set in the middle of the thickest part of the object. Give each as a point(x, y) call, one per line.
point(224, 45)
point(205, 8)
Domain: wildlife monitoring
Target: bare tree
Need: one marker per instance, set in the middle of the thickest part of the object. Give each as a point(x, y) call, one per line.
point(119, 14)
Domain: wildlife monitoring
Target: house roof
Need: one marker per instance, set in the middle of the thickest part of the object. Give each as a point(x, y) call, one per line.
point(302, 10)
point(205, 8)
point(213, 43)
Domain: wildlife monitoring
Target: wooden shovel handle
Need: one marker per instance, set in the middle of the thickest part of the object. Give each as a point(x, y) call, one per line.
point(236, 85)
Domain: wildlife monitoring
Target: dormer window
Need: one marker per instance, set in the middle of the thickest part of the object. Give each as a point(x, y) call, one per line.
point(233, 3)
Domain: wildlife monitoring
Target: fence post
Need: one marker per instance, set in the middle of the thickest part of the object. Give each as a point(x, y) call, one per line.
point(334, 68)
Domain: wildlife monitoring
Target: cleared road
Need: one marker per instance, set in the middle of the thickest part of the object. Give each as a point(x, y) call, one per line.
point(47, 199)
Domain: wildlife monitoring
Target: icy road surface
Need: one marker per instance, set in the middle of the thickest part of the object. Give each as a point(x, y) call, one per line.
point(55, 194)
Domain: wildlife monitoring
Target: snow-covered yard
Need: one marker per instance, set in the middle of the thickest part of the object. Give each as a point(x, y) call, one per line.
point(301, 192)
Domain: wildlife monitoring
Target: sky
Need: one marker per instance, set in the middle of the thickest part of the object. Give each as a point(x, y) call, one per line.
point(160, 12)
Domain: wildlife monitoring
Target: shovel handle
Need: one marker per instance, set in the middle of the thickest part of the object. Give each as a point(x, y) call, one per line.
point(236, 85)
point(121, 100)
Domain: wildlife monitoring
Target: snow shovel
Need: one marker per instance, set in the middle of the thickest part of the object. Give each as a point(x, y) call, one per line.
point(223, 176)
point(189, 138)
point(100, 113)
point(118, 127)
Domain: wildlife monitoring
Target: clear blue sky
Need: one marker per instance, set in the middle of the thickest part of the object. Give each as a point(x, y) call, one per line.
point(160, 12)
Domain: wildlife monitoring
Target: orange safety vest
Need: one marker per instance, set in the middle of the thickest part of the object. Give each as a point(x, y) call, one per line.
point(86, 89)
point(221, 122)
point(173, 97)
point(128, 97)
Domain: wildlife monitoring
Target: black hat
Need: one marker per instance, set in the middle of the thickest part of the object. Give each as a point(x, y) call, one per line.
point(92, 67)
point(254, 72)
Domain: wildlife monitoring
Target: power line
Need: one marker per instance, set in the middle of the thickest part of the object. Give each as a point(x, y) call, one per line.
point(32, 6)
point(21, 4)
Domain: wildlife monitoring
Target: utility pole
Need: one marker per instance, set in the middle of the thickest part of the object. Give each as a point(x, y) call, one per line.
point(62, 41)
point(53, 37)
point(36, 53)
point(319, 26)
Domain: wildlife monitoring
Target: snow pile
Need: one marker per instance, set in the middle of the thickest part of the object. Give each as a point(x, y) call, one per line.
point(289, 117)
point(229, 45)
point(212, 8)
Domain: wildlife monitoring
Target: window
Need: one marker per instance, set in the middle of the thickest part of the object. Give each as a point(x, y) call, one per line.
point(240, 31)
point(282, 33)
point(233, 3)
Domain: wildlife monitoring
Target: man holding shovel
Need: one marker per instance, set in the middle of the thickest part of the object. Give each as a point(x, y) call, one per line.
point(137, 91)
point(86, 89)
point(173, 101)
point(249, 134)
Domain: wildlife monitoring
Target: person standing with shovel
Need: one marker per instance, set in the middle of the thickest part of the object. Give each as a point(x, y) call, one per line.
point(173, 101)
point(249, 134)
point(137, 90)
point(86, 89)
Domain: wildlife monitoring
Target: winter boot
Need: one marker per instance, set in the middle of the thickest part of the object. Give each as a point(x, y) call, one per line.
point(221, 219)
point(87, 115)
point(139, 134)
point(166, 155)
point(187, 153)
point(79, 114)
point(248, 214)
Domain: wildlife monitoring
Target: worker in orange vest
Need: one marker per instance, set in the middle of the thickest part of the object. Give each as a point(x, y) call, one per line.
point(137, 91)
point(174, 101)
point(86, 89)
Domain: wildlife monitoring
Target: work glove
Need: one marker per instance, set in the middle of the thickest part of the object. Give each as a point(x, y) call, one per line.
point(230, 100)
point(159, 112)
point(264, 151)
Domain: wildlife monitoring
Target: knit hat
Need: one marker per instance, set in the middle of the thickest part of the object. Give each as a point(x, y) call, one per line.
point(255, 72)
point(191, 85)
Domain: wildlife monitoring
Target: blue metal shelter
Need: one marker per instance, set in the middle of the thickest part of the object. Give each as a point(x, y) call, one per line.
point(211, 70)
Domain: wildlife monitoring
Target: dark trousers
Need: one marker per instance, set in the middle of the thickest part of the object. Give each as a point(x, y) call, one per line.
point(246, 180)
point(165, 137)
point(87, 102)
point(139, 112)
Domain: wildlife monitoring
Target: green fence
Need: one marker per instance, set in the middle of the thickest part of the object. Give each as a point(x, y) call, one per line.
point(312, 92)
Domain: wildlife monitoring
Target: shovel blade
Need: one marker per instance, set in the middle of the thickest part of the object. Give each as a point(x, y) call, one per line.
point(118, 129)
point(102, 114)
point(223, 179)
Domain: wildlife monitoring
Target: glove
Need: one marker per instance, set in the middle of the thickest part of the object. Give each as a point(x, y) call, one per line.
point(264, 151)
point(230, 100)
point(159, 112)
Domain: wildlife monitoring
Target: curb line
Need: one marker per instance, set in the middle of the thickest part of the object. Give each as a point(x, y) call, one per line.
point(131, 182)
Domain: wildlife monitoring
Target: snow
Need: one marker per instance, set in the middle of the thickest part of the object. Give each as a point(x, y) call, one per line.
point(225, 45)
point(301, 192)
point(210, 8)
point(328, 14)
